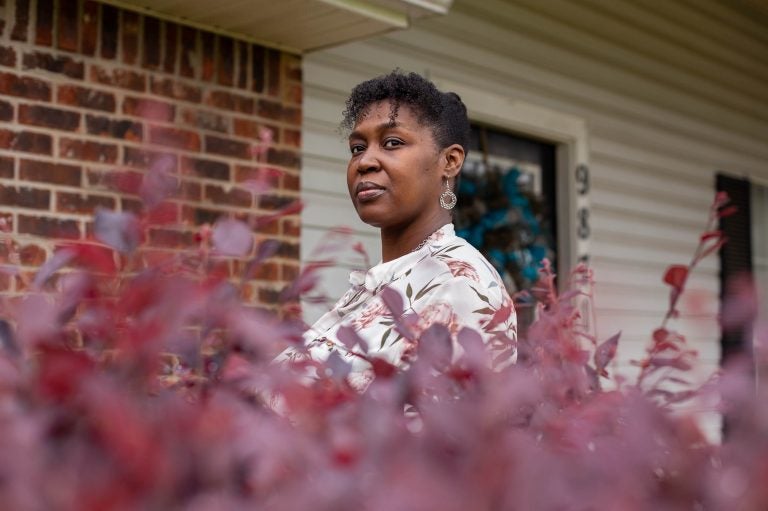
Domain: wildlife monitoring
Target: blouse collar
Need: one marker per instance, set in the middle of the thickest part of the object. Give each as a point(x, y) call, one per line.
point(391, 270)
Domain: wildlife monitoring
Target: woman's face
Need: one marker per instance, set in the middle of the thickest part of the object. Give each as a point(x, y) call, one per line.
point(395, 172)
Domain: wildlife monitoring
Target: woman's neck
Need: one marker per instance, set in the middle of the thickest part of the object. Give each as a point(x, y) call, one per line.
point(396, 242)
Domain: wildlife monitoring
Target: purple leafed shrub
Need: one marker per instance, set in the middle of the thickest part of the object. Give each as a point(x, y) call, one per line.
point(155, 390)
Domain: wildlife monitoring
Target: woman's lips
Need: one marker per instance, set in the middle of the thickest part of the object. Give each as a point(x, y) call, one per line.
point(369, 195)
point(367, 191)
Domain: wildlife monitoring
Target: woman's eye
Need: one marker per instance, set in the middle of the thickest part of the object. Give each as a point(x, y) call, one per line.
point(392, 142)
point(356, 149)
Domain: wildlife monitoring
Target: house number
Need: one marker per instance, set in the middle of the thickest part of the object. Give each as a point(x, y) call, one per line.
point(582, 179)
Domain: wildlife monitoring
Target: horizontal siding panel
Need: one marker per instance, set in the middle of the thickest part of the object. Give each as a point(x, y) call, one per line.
point(564, 60)
point(326, 146)
point(627, 206)
point(667, 104)
point(618, 173)
point(627, 45)
point(699, 301)
point(321, 210)
point(728, 48)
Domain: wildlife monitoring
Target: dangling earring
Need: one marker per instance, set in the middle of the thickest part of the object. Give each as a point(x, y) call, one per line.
point(447, 198)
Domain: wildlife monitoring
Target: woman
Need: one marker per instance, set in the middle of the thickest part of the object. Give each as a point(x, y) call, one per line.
point(407, 145)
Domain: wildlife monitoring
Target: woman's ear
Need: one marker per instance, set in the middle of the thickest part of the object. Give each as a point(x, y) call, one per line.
point(454, 159)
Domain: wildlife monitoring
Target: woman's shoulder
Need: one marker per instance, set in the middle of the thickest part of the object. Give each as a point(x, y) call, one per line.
point(460, 259)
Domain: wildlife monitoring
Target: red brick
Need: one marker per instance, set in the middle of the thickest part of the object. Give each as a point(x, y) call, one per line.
point(149, 109)
point(152, 41)
point(292, 67)
point(269, 271)
point(269, 296)
point(171, 47)
point(87, 150)
point(242, 64)
point(288, 250)
point(290, 227)
point(258, 70)
point(86, 98)
point(32, 255)
point(274, 77)
point(21, 22)
point(175, 89)
point(227, 147)
point(229, 101)
point(68, 26)
point(172, 137)
point(25, 87)
point(291, 182)
point(199, 216)
point(292, 93)
point(189, 50)
point(236, 197)
point(226, 53)
point(168, 238)
point(210, 169)
point(6, 280)
point(274, 202)
point(252, 129)
point(283, 157)
point(6, 111)
point(24, 197)
point(6, 167)
point(291, 137)
point(268, 176)
point(90, 30)
point(205, 120)
point(47, 172)
point(130, 36)
point(7, 56)
point(44, 29)
point(290, 272)
point(145, 159)
point(191, 191)
point(117, 128)
point(131, 205)
point(54, 118)
point(208, 42)
point(59, 64)
point(48, 227)
point(67, 202)
point(26, 141)
point(123, 78)
point(109, 31)
point(278, 112)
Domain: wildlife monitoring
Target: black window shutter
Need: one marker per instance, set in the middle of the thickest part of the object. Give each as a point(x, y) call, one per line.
point(735, 259)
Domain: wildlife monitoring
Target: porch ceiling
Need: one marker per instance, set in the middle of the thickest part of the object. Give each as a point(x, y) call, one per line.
point(298, 26)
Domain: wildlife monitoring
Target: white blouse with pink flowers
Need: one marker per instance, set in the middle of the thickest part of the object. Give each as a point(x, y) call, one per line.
point(447, 281)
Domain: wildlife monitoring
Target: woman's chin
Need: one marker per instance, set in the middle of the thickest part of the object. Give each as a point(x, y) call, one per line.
point(372, 216)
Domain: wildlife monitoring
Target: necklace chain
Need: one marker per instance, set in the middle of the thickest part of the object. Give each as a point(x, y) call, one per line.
point(424, 241)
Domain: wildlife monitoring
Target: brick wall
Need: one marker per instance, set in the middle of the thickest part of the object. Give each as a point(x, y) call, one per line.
point(87, 89)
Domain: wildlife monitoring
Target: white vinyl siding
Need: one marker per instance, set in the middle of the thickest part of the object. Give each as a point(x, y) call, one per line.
point(670, 93)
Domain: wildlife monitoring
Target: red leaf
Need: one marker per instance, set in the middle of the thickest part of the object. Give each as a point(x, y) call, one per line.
point(676, 275)
point(711, 234)
point(660, 335)
point(605, 353)
point(382, 368)
point(119, 230)
point(727, 211)
point(97, 258)
point(232, 237)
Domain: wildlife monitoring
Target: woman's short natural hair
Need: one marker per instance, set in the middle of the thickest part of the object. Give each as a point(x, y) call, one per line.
point(443, 112)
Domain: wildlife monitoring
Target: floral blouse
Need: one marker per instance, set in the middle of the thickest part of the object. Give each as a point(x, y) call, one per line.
point(446, 281)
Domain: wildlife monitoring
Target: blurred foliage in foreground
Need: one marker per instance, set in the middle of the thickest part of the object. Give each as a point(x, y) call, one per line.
point(152, 390)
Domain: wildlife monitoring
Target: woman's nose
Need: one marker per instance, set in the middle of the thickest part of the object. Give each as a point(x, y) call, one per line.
point(368, 162)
